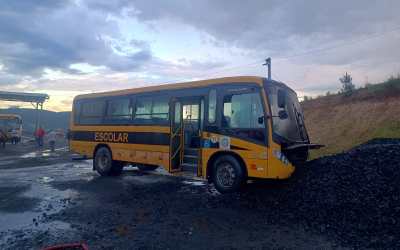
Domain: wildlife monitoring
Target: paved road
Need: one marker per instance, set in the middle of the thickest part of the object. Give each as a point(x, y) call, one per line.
point(47, 198)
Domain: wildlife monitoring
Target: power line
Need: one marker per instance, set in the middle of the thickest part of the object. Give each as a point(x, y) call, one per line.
point(319, 50)
point(274, 77)
point(222, 70)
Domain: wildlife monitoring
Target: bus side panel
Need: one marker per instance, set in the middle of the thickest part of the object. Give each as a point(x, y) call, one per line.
point(141, 153)
point(278, 169)
point(83, 147)
point(253, 155)
point(86, 141)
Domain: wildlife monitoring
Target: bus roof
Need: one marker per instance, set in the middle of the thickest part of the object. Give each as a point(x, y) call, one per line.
point(9, 116)
point(182, 85)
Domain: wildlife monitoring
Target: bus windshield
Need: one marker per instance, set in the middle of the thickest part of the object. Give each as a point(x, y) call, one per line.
point(288, 121)
point(10, 123)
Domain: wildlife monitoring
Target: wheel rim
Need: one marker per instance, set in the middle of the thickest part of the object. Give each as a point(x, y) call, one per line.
point(226, 175)
point(102, 161)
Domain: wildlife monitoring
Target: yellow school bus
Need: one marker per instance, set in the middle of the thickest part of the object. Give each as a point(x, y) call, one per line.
point(11, 127)
point(226, 130)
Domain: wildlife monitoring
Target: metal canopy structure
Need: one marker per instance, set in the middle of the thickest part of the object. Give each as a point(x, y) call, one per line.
point(23, 97)
point(35, 99)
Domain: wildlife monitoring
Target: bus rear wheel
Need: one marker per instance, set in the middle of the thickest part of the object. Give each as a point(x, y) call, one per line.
point(227, 175)
point(104, 164)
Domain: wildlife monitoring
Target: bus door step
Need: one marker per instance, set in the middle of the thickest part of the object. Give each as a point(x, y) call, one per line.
point(189, 167)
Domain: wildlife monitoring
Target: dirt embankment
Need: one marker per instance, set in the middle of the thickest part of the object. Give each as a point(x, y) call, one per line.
point(341, 122)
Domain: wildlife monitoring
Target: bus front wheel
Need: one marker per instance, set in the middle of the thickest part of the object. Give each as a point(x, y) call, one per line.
point(227, 175)
point(104, 164)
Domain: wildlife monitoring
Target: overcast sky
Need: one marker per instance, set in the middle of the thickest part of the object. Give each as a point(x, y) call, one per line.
point(64, 48)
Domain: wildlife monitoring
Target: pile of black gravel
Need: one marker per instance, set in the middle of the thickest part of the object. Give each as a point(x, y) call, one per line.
point(353, 196)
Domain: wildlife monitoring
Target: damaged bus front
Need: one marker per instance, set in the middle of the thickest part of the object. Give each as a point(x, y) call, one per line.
point(288, 125)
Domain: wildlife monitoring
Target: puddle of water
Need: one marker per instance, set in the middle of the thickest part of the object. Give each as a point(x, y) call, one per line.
point(44, 153)
point(61, 149)
point(6, 162)
point(82, 164)
point(46, 179)
point(29, 155)
point(7, 158)
point(52, 202)
point(57, 149)
point(161, 170)
point(194, 183)
point(144, 179)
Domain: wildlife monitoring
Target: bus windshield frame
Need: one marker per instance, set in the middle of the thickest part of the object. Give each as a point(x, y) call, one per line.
point(287, 122)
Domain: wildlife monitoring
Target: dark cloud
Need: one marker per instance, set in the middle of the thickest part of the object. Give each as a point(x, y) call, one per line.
point(9, 79)
point(55, 34)
point(35, 35)
point(271, 24)
point(273, 27)
point(32, 6)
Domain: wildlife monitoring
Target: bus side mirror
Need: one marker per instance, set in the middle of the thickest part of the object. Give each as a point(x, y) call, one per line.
point(281, 99)
point(283, 115)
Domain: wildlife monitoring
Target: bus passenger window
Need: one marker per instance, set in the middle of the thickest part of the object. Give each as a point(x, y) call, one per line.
point(242, 111)
point(119, 109)
point(91, 112)
point(160, 109)
point(153, 109)
point(212, 106)
point(143, 108)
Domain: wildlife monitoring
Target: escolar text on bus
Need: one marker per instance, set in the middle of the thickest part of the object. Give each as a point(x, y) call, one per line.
point(111, 137)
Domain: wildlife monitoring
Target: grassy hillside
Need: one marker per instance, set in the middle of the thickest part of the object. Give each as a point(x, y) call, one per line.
point(49, 119)
point(341, 122)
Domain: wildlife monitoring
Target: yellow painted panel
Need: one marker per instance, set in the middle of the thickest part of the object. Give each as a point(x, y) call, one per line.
point(255, 157)
point(128, 128)
point(139, 153)
point(276, 168)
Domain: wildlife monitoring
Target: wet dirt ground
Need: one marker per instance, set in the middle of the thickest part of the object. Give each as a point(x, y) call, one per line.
point(47, 198)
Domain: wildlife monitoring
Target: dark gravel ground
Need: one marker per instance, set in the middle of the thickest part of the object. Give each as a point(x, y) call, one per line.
point(350, 200)
point(353, 197)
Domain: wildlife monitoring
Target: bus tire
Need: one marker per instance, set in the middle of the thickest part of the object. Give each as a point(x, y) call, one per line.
point(104, 164)
point(146, 167)
point(227, 174)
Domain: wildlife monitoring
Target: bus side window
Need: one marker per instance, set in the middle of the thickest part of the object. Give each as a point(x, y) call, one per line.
point(91, 112)
point(118, 110)
point(160, 109)
point(143, 108)
point(212, 106)
point(242, 111)
point(151, 110)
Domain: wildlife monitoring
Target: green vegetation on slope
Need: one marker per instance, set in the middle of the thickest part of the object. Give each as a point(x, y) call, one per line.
point(342, 122)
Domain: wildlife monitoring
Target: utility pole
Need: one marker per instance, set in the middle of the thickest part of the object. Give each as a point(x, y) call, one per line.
point(268, 64)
